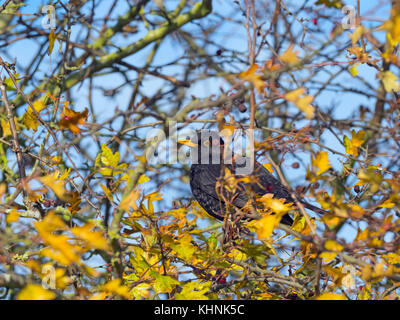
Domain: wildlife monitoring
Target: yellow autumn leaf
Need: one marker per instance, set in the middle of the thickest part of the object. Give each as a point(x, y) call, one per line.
point(55, 160)
point(392, 26)
point(142, 290)
point(303, 102)
point(153, 196)
point(268, 166)
point(357, 139)
point(115, 286)
point(130, 201)
point(271, 65)
point(275, 205)
point(328, 256)
point(251, 76)
point(35, 292)
point(12, 216)
point(389, 56)
point(107, 192)
point(199, 211)
point(355, 36)
point(57, 186)
point(93, 239)
point(392, 258)
point(353, 70)
point(266, 225)
point(62, 280)
point(370, 176)
point(387, 204)
point(52, 37)
point(63, 252)
point(108, 158)
point(331, 296)
point(56, 256)
point(143, 178)
point(362, 235)
point(289, 56)
point(331, 220)
point(2, 191)
point(299, 223)
point(5, 126)
point(194, 290)
point(64, 175)
point(60, 249)
point(184, 248)
point(227, 130)
point(350, 149)
point(389, 81)
point(229, 181)
point(50, 223)
point(98, 296)
point(162, 283)
point(321, 161)
point(29, 119)
point(70, 119)
point(108, 161)
point(332, 245)
point(294, 94)
point(331, 3)
point(360, 55)
point(395, 28)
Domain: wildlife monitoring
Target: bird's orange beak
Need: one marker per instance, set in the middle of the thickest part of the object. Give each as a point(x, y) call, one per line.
point(188, 143)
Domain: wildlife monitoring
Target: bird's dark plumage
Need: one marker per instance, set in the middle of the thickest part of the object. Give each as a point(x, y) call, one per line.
point(204, 177)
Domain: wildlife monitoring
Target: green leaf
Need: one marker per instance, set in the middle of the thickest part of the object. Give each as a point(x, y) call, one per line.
point(331, 3)
point(107, 161)
point(212, 243)
point(163, 284)
point(10, 84)
point(52, 38)
point(184, 248)
point(194, 291)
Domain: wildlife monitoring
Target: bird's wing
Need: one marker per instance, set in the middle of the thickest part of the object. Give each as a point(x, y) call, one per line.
point(272, 185)
point(264, 182)
point(204, 182)
point(205, 179)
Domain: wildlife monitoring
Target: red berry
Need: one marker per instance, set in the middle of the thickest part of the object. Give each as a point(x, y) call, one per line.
point(222, 280)
point(219, 52)
point(47, 203)
point(295, 165)
point(270, 187)
point(314, 21)
point(67, 118)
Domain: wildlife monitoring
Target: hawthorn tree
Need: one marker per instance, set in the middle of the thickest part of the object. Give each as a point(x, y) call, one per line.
point(85, 214)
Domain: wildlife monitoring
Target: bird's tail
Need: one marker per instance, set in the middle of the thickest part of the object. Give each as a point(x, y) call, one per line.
point(314, 208)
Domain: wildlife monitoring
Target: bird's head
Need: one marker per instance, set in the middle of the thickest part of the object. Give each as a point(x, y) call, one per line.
point(207, 147)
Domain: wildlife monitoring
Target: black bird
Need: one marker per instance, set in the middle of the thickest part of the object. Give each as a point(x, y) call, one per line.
point(208, 168)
